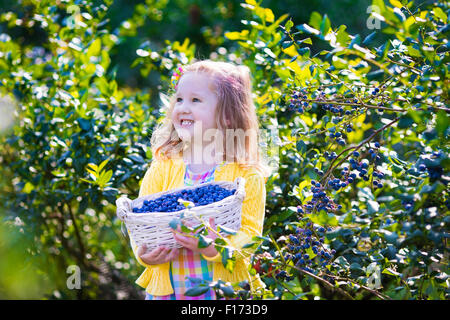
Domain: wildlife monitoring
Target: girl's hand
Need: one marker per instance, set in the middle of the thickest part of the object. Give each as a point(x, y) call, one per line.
point(158, 255)
point(189, 241)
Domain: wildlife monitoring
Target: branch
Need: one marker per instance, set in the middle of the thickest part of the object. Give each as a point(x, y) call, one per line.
point(374, 292)
point(325, 282)
point(77, 233)
point(356, 148)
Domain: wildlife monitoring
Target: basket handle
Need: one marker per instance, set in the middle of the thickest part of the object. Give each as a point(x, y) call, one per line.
point(240, 190)
point(123, 205)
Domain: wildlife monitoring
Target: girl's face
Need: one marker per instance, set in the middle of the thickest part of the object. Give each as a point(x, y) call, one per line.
point(195, 105)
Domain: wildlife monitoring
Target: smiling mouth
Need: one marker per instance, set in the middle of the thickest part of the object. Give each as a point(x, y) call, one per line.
point(186, 123)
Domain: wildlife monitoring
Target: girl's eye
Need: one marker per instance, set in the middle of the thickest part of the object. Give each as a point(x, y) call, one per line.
point(195, 100)
point(179, 99)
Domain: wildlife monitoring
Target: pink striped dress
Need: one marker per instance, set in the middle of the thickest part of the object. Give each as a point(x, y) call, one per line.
point(189, 263)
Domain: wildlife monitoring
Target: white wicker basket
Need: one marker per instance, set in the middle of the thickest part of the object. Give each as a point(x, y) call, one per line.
point(152, 228)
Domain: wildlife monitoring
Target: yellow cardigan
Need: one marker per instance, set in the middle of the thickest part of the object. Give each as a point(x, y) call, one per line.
point(169, 174)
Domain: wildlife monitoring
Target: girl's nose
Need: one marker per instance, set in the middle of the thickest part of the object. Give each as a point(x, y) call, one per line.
point(184, 107)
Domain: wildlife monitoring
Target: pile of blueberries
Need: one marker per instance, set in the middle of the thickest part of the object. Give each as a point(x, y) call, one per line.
point(200, 196)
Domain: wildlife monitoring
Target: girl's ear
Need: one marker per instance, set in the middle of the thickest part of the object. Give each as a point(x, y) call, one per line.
point(228, 123)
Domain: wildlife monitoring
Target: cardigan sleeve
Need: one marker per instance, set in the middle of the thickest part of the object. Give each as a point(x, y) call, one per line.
point(151, 183)
point(155, 278)
point(153, 179)
point(252, 221)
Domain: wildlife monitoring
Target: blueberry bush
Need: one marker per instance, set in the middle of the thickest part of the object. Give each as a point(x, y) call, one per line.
point(360, 203)
point(358, 207)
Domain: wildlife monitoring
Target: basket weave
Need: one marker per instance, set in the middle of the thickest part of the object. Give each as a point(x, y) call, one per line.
point(152, 228)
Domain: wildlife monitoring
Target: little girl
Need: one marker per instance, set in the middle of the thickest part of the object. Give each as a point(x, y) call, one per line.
point(213, 100)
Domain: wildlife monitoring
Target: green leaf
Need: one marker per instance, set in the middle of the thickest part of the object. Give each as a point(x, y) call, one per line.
point(369, 38)
point(342, 36)
point(391, 272)
point(325, 25)
point(226, 230)
point(259, 238)
point(304, 41)
point(380, 6)
point(196, 291)
point(204, 242)
point(228, 259)
point(342, 262)
point(372, 207)
point(405, 121)
point(84, 124)
point(196, 281)
point(174, 223)
point(308, 29)
point(324, 219)
point(383, 50)
point(396, 3)
point(304, 51)
point(105, 177)
point(186, 203)
point(442, 122)
point(413, 52)
point(94, 48)
point(389, 236)
point(186, 229)
point(250, 245)
point(286, 44)
point(375, 75)
point(94, 167)
point(356, 40)
point(85, 180)
point(315, 20)
point(289, 25)
point(102, 165)
point(355, 268)
point(102, 85)
point(236, 35)
point(28, 187)
point(399, 14)
point(228, 291)
point(220, 242)
point(301, 147)
point(438, 12)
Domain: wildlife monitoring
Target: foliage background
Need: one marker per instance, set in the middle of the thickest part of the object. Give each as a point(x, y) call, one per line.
point(86, 77)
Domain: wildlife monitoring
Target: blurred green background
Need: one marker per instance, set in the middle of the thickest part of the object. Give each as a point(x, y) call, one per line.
point(203, 22)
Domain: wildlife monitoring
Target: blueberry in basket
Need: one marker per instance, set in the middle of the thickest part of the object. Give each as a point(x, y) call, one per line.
point(200, 197)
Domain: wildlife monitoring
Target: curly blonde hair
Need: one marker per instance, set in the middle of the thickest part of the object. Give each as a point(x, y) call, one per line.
point(235, 110)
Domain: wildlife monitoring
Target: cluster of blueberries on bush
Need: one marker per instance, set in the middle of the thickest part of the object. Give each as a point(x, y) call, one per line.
point(432, 163)
point(360, 166)
point(408, 204)
point(297, 103)
point(306, 250)
point(363, 166)
point(336, 106)
point(199, 196)
point(357, 166)
point(320, 200)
